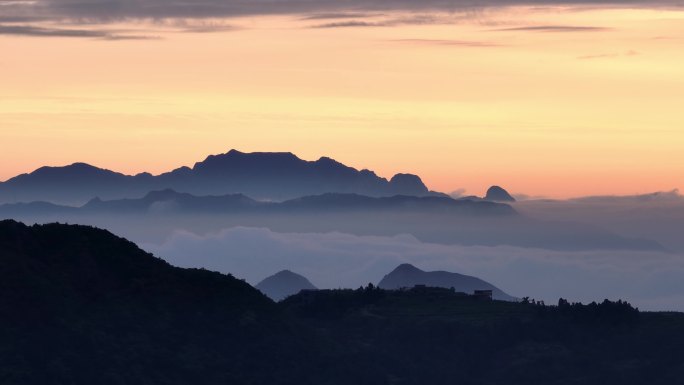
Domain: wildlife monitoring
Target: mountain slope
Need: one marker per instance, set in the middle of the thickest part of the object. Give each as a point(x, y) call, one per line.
point(261, 175)
point(79, 305)
point(407, 275)
point(284, 284)
point(87, 265)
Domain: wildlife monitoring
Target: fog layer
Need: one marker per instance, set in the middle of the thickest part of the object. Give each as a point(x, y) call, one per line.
point(650, 280)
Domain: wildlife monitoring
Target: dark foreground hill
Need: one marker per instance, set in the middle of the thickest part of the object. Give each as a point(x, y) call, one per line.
point(407, 276)
point(81, 306)
point(284, 284)
point(261, 175)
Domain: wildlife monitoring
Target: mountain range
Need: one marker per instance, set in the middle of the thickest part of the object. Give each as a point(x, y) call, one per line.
point(429, 218)
point(169, 201)
point(272, 176)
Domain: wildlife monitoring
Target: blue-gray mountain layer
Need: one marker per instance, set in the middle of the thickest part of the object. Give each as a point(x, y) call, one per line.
point(408, 276)
point(284, 284)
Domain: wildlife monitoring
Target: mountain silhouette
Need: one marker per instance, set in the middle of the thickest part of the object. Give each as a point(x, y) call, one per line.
point(397, 203)
point(498, 194)
point(284, 284)
point(172, 202)
point(407, 276)
point(430, 219)
point(261, 175)
point(89, 264)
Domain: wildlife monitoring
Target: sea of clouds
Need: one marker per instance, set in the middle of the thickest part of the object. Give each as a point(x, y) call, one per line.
point(649, 280)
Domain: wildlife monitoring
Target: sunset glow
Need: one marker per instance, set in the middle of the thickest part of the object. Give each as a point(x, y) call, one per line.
point(557, 101)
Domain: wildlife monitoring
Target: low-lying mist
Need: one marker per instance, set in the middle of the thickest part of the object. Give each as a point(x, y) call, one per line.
point(657, 216)
point(649, 280)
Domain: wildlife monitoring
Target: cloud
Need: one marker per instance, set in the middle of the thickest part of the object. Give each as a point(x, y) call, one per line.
point(19, 19)
point(142, 9)
point(526, 197)
point(672, 196)
point(339, 15)
point(391, 22)
point(34, 31)
point(458, 193)
point(350, 24)
point(195, 25)
point(555, 28)
point(650, 280)
point(658, 216)
point(459, 43)
point(608, 55)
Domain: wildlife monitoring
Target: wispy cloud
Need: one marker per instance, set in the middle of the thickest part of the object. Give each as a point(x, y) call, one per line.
point(351, 24)
point(420, 19)
point(608, 55)
point(458, 193)
point(19, 19)
point(116, 10)
point(459, 43)
point(555, 28)
point(34, 31)
point(339, 15)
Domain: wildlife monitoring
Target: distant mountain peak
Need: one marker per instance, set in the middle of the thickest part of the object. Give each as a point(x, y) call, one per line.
point(78, 167)
point(410, 183)
point(256, 154)
point(327, 159)
point(498, 194)
point(407, 268)
point(407, 276)
point(83, 165)
point(287, 274)
point(284, 284)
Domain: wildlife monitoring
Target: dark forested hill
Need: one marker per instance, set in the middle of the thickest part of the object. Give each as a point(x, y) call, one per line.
point(79, 305)
point(437, 336)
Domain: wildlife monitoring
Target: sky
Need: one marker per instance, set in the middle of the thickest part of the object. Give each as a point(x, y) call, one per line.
point(546, 98)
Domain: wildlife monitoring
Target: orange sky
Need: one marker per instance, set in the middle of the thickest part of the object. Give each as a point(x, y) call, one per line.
point(464, 103)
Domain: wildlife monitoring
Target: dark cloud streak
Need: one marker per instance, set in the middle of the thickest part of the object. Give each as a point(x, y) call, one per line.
point(107, 10)
point(33, 31)
point(339, 15)
point(391, 22)
point(460, 43)
point(555, 28)
point(351, 24)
